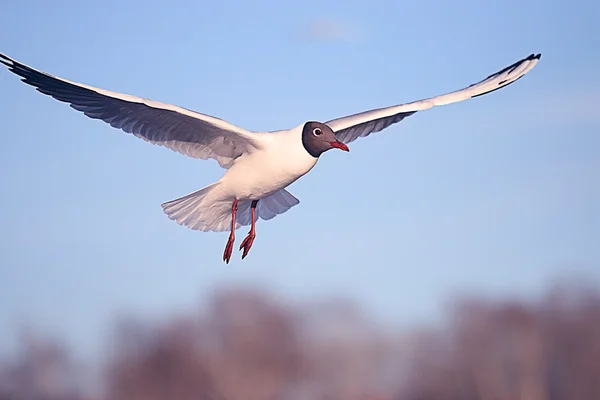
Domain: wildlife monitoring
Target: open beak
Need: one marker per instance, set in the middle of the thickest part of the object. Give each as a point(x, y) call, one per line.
point(339, 145)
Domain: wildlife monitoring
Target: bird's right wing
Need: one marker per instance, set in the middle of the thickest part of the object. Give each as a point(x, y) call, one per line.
point(179, 129)
point(351, 127)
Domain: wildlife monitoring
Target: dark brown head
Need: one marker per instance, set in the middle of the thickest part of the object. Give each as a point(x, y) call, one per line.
point(317, 138)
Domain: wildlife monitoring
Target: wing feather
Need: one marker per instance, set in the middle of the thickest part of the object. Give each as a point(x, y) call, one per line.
point(350, 128)
point(179, 129)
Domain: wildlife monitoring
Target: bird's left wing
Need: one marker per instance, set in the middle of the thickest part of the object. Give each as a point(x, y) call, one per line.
point(179, 129)
point(350, 128)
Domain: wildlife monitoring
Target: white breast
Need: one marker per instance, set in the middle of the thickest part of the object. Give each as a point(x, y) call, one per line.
point(282, 161)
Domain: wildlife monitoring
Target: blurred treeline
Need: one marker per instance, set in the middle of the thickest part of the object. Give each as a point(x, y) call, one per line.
point(247, 344)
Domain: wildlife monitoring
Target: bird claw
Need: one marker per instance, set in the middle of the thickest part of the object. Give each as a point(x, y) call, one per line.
point(228, 249)
point(247, 243)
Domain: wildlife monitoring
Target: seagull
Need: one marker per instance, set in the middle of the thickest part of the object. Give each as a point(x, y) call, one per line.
point(259, 165)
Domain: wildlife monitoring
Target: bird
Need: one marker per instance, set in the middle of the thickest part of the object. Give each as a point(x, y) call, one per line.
point(259, 165)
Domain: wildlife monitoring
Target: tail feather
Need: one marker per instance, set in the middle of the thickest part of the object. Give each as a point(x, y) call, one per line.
point(197, 211)
point(204, 211)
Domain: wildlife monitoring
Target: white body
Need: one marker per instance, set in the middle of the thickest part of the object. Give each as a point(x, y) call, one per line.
point(280, 162)
point(263, 173)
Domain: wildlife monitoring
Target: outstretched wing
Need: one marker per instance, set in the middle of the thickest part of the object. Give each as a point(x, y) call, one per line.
point(350, 128)
point(179, 129)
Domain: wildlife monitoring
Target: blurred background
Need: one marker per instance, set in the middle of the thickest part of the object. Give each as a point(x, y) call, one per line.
point(454, 255)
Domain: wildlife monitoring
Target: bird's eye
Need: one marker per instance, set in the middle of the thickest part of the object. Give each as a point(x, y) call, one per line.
point(317, 131)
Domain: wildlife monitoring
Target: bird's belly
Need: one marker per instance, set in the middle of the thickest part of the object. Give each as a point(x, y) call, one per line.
point(257, 176)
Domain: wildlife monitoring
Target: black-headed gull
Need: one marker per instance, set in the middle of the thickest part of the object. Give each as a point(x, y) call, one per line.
point(260, 165)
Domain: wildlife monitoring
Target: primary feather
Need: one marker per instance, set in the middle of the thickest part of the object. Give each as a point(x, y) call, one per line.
point(351, 127)
point(179, 129)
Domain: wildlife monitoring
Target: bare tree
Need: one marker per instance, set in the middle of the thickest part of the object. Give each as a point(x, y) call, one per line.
point(41, 370)
point(167, 363)
point(514, 350)
point(249, 345)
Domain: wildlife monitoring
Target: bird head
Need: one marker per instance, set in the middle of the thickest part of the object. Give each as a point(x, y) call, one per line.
point(317, 138)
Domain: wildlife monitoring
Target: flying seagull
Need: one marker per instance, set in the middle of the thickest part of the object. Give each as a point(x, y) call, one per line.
point(259, 165)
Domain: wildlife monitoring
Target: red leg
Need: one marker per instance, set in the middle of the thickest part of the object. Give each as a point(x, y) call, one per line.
point(247, 243)
point(229, 247)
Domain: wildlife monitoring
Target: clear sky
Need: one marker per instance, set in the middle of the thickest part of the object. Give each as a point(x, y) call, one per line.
point(500, 194)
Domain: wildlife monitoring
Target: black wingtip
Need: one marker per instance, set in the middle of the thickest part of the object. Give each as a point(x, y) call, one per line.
point(6, 60)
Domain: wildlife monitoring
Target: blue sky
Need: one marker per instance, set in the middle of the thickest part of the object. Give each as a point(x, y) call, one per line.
point(499, 195)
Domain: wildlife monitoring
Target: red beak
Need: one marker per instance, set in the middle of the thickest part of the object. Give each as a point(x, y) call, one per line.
point(339, 145)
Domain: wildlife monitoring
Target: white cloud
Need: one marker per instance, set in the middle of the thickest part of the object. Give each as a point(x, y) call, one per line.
point(330, 30)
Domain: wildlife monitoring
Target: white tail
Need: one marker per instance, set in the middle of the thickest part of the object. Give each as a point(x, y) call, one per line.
point(205, 210)
point(198, 212)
